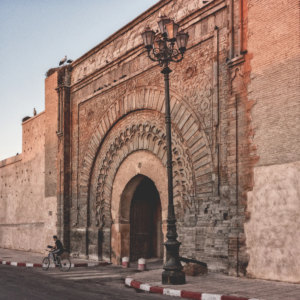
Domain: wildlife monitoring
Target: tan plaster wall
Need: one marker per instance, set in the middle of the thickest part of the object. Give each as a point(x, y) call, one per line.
point(25, 223)
point(272, 233)
point(144, 163)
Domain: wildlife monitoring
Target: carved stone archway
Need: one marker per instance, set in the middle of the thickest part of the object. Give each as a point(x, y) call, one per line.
point(143, 98)
point(141, 130)
point(136, 122)
point(138, 131)
point(133, 170)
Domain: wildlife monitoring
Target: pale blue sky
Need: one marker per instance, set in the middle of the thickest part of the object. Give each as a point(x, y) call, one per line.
point(34, 36)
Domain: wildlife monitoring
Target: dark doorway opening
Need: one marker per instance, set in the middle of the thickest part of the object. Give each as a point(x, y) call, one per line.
point(146, 238)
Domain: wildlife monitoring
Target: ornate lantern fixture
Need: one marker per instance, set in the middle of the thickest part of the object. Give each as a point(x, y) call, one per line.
point(172, 29)
point(148, 37)
point(158, 44)
point(164, 51)
point(163, 21)
point(182, 39)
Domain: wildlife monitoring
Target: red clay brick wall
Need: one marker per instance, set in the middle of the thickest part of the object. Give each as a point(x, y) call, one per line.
point(23, 215)
point(274, 41)
point(272, 236)
point(254, 111)
point(192, 80)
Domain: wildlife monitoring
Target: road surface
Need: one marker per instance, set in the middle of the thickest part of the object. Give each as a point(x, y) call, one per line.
point(78, 283)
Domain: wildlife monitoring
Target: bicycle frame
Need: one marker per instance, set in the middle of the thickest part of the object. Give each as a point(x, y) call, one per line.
point(64, 264)
point(51, 257)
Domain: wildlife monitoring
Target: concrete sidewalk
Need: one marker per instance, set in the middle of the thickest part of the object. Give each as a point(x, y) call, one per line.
point(31, 259)
point(214, 286)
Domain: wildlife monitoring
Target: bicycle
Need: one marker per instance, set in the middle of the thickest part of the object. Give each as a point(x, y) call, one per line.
point(64, 264)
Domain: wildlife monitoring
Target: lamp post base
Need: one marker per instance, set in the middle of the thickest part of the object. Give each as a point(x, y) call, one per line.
point(173, 277)
point(172, 273)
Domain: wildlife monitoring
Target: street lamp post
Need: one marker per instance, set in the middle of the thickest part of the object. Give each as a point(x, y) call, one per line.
point(163, 50)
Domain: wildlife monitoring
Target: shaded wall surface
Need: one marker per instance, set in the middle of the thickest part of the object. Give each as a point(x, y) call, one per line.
point(26, 220)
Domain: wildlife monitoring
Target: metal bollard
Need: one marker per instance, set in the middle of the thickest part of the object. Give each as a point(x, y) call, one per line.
point(142, 264)
point(125, 262)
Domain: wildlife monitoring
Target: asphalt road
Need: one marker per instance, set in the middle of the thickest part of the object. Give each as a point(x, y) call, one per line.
point(79, 283)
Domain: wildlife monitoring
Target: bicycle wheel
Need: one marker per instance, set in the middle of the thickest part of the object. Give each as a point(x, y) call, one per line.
point(65, 264)
point(45, 264)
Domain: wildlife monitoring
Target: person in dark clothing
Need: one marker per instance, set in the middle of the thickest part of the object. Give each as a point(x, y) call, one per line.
point(58, 248)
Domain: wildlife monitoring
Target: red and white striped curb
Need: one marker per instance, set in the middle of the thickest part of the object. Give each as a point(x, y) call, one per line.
point(31, 265)
point(179, 293)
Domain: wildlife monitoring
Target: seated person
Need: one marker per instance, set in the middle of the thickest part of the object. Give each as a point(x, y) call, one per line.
point(58, 248)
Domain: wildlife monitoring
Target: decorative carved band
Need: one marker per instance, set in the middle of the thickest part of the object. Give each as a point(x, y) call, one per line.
point(141, 131)
point(142, 101)
point(144, 131)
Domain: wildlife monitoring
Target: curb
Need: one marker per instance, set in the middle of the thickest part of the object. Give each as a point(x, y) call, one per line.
point(179, 293)
point(31, 265)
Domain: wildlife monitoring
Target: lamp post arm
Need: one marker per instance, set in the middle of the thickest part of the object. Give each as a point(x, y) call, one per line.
point(175, 55)
point(150, 53)
point(165, 56)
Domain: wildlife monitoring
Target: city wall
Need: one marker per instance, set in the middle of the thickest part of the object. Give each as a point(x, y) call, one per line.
point(235, 131)
point(27, 221)
point(238, 80)
point(272, 232)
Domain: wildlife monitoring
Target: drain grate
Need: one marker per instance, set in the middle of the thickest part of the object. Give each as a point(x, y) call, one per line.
point(6, 257)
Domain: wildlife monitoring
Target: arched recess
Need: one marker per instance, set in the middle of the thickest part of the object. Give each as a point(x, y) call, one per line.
point(133, 170)
point(113, 140)
point(140, 130)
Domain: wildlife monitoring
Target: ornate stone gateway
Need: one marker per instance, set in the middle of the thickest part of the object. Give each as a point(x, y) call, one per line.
point(136, 145)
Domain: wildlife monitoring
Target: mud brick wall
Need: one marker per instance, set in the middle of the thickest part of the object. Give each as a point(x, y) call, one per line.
point(51, 108)
point(201, 80)
point(235, 111)
point(234, 104)
point(27, 222)
point(272, 236)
